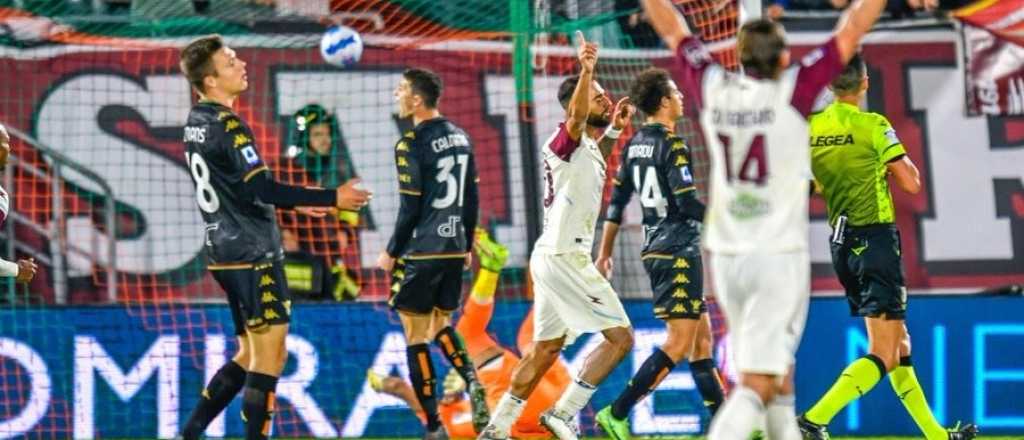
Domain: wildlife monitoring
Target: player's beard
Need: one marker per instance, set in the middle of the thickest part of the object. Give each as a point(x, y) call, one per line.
point(599, 121)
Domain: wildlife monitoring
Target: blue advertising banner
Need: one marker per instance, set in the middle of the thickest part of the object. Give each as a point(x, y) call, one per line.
point(136, 372)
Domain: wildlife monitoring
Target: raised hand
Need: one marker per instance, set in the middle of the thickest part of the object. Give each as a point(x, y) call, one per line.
point(622, 114)
point(352, 196)
point(587, 53)
point(26, 270)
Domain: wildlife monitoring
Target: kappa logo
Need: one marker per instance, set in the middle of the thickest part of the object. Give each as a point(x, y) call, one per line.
point(681, 263)
point(241, 139)
point(266, 280)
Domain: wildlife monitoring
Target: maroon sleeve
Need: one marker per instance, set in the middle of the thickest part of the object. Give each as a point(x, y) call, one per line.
point(817, 69)
point(693, 59)
point(562, 145)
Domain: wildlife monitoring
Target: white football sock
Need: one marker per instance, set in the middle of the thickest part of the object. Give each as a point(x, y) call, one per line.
point(507, 412)
point(575, 397)
point(782, 419)
point(738, 416)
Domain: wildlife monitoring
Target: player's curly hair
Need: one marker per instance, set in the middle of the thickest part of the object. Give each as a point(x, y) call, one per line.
point(848, 82)
point(760, 44)
point(197, 59)
point(649, 88)
point(426, 84)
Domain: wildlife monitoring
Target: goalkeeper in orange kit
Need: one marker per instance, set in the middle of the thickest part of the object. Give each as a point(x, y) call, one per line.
point(493, 361)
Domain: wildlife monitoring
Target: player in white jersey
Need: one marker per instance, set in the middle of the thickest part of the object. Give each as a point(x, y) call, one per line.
point(570, 295)
point(756, 227)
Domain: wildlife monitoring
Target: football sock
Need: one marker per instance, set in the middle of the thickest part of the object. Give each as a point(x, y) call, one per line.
point(781, 415)
point(740, 414)
point(215, 397)
point(424, 382)
point(506, 412)
point(454, 350)
point(575, 397)
point(646, 379)
point(904, 383)
point(485, 285)
point(856, 380)
point(258, 405)
point(705, 375)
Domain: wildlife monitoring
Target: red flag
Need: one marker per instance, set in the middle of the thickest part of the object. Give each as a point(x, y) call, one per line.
point(993, 55)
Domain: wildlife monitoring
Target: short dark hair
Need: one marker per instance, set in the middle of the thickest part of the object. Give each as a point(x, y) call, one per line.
point(566, 89)
point(426, 84)
point(648, 88)
point(197, 60)
point(760, 45)
point(848, 82)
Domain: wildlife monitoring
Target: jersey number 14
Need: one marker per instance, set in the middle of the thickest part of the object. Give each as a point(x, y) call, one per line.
point(755, 164)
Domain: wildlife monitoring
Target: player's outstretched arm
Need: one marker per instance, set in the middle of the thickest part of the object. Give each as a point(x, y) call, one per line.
point(23, 270)
point(667, 22)
point(854, 24)
point(579, 105)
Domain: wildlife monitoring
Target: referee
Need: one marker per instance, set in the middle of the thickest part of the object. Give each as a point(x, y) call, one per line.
point(853, 155)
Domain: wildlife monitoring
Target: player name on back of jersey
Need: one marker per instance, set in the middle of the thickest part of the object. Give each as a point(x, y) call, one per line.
point(450, 140)
point(195, 134)
point(743, 118)
point(640, 150)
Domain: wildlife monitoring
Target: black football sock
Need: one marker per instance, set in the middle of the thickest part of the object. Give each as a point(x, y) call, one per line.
point(258, 405)
point(455, 350)
point(646, 379)
point(705, 375)
point(215, 397)
point(421, 371)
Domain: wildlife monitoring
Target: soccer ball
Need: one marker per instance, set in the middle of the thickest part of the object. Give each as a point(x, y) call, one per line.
point(341, 46)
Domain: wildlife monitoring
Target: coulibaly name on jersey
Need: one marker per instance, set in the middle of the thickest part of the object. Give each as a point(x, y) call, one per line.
point(640, 150)
point(831, 141)
point(450, 141)
point(744, 118)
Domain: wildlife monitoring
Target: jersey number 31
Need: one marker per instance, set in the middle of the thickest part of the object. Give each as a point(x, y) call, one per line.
point(453, 187)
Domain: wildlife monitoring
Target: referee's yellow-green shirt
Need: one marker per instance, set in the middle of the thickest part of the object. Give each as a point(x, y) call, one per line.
point(849, 152)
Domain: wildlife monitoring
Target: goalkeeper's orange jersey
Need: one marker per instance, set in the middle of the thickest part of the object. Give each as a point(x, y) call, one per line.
point(496, 377)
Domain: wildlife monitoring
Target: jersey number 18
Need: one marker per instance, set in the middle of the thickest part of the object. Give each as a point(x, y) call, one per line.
point(205, 195)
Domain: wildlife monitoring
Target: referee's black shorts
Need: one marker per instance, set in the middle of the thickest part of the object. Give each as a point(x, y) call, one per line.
point(869, 268)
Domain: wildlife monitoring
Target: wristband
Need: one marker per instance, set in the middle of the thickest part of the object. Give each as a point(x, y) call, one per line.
point(612, 132)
